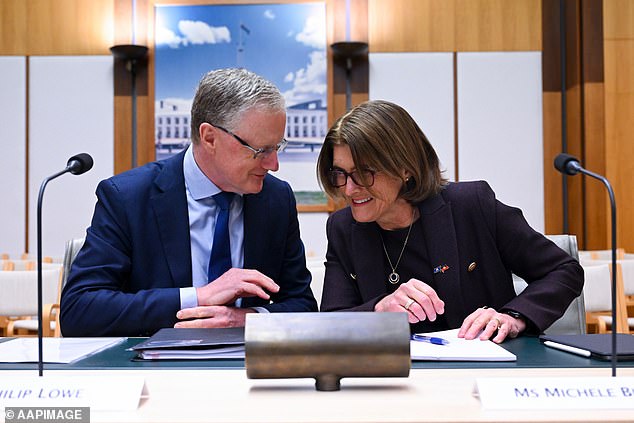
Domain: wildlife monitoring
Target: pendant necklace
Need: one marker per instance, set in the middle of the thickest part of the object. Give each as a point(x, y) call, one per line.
point(394, 277)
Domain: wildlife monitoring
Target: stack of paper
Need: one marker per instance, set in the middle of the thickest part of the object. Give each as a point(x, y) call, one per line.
point(458, 349)
point(54, 350)
point(192, 344)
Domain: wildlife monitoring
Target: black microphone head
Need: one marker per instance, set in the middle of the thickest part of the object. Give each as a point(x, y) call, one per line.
point(79, 163)
point(567, 164)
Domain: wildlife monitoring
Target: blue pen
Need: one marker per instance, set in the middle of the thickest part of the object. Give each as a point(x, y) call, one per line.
point(430, 339)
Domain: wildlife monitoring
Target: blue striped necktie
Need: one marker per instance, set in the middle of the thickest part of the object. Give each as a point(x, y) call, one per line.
point(220, 259)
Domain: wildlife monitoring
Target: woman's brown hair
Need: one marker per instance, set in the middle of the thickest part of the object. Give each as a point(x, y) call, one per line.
point(383, 137)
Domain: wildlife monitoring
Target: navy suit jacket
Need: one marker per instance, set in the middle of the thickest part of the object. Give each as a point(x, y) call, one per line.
point(463, 224)
point(125, 280)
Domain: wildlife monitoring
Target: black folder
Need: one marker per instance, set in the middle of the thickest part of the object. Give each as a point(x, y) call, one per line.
point(193, 343)
point(598, 346)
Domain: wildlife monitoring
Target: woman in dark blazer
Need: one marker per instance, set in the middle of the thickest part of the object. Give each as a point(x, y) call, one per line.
point(409, 241)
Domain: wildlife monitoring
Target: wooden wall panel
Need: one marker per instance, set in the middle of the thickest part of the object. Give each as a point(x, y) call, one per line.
point(618, 18)
point(574, 128)
point(454, 25)
point(553, 213)
point(597, 215)
point(619, 111)
point(56, 27)
point(13, 30)
point(596, 204)
point(358, 22)
point(619, 133)
point(69, 27)
point(411, 25)
point(498, 25)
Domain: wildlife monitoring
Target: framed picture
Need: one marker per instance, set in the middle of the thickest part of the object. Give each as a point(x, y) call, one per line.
point(285, 43)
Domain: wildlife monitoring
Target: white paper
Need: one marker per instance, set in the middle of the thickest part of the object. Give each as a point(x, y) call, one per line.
point(54, 350)
point(556, 393)
point(459, 349)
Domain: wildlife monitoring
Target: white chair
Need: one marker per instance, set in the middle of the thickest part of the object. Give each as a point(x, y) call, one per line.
point(26, 265)
point(597, 294)
point(627, 272)
point(71, 249)
point(19, 300)
point(318, 271)
point(601, 254)
point(573, 321)
point(625, 279)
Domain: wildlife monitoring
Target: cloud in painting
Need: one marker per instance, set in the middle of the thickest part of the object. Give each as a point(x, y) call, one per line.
point(197, 32)
point(167, 36)
point(193, 32)
point(268, 14)
point(309, 83)
point(314, 32)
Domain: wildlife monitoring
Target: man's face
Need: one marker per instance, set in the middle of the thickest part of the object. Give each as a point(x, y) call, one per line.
point(228, 163)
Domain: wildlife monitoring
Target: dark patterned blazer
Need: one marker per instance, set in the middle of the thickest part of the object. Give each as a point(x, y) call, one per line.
point(463, 224)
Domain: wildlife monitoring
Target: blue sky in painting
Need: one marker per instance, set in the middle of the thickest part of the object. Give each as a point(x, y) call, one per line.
point(286, 43)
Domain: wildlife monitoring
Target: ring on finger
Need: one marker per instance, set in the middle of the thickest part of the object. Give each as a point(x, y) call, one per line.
point(408, 304)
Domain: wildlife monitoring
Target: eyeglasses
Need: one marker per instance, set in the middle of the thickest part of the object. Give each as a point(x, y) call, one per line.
point(339, 177)
point(257, 152)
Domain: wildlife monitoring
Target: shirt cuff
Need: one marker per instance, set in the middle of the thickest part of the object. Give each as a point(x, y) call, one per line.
point(189, 298)
point(261, 309)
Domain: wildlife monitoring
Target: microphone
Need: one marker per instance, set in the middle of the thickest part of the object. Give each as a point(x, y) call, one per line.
point(77, 164)
point(569, 165)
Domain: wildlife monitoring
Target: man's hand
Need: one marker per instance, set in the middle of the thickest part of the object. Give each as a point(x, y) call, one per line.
point(233, 284)
point(212, 317)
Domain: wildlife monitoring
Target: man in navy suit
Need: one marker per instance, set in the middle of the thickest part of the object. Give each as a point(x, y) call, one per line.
point(145, 261)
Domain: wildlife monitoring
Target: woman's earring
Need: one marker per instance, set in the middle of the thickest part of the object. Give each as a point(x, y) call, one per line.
point(410, 183)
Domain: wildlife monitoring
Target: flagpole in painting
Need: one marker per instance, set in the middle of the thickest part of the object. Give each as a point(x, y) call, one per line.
point(240, 51)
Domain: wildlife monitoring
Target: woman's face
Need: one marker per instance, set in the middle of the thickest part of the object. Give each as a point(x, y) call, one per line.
point(384, 208)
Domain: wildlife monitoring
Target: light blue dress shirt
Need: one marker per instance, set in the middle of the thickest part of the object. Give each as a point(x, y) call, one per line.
point(203, 211)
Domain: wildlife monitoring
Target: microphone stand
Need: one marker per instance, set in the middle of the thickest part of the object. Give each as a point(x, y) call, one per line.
point(614, 294)
point(39, 268)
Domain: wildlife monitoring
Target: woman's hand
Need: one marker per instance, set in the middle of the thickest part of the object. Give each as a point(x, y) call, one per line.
point(418, 299)
point(485, 322)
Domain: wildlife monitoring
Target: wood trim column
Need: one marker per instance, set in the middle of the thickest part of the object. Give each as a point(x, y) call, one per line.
point(596, 200)
point(123, 93)
point(360, 76)
point(582, 122)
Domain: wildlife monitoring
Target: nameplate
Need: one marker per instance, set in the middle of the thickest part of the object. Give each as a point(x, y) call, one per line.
point(556, 393)
point(112, 393)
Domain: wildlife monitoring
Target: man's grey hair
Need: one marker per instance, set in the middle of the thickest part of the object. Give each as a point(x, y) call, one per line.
point(224, 95)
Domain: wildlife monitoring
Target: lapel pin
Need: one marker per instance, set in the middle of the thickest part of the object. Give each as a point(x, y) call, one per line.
point(441, 269)
point(472, 266)
point(353, 276)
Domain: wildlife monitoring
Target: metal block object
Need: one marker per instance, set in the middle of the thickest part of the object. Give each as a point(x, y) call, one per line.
point(327, 346)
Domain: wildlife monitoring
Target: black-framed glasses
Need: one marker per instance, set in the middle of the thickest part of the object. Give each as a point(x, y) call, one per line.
point(257, 152)
point(339, 177)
